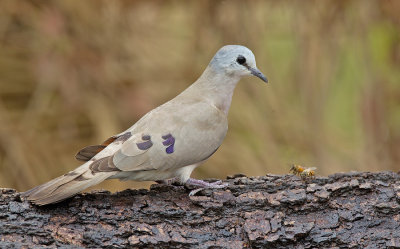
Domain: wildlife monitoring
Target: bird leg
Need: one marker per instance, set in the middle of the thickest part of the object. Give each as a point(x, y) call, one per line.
point(204, 185)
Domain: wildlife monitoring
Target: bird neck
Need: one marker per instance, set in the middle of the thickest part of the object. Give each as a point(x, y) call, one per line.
point(216, 88)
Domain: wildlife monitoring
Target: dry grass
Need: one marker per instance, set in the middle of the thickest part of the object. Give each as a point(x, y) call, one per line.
point(73, 73)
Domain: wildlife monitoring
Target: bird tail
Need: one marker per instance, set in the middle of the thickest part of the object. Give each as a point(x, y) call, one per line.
point(67, 185)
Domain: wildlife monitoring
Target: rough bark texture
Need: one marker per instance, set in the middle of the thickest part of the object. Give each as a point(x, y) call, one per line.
point(354, 210)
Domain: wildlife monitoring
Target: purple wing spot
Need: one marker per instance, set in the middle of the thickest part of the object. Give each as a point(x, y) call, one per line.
point(169, 149)
point(169, 141)
point(124, 136)
point(146, 137)
point(167, 136)
point(146, 144)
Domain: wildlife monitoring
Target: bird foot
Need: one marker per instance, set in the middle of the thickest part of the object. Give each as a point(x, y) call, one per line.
point(204, 185)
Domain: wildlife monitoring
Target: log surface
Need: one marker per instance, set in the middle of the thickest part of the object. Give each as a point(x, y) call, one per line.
point(352, 210)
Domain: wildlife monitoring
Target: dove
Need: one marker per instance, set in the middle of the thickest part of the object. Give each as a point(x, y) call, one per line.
point(167, 143)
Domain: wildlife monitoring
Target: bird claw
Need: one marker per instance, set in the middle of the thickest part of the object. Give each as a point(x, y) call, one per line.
point(204, 185)
point(195, 182)
point(195, 191)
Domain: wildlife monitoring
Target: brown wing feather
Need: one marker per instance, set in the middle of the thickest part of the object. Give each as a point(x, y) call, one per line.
point(89, 152)
point(103, 165)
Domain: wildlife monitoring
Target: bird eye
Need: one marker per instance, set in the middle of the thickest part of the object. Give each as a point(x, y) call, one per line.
point(241, 60)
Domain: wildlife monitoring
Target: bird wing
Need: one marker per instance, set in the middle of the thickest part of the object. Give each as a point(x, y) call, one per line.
point(172, 136)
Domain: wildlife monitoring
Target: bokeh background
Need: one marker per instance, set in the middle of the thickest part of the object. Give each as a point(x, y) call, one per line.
point(74, 72)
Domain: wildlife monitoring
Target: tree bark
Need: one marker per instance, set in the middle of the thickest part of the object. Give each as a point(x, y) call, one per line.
point(352, 210)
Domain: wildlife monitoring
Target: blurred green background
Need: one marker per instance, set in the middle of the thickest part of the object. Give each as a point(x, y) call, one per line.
point(72, 73)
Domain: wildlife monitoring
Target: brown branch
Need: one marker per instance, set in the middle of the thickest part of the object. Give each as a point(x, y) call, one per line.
point(344, 210)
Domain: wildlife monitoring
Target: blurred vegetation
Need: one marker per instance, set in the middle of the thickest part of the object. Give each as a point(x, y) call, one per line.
point(74, 72)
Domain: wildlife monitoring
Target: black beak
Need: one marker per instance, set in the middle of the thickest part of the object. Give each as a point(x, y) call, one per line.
point(257, 73)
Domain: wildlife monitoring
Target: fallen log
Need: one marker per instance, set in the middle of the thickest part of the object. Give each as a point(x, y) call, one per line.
point(351, 210)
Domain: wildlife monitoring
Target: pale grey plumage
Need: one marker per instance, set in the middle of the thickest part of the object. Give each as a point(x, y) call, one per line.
point(169, 141)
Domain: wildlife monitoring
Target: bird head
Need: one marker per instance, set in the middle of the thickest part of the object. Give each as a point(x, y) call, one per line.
point(236, 60)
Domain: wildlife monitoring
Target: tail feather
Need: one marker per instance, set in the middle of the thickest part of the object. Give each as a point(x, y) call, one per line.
point(69, 189)
point(65, 186)
point(53, 184)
